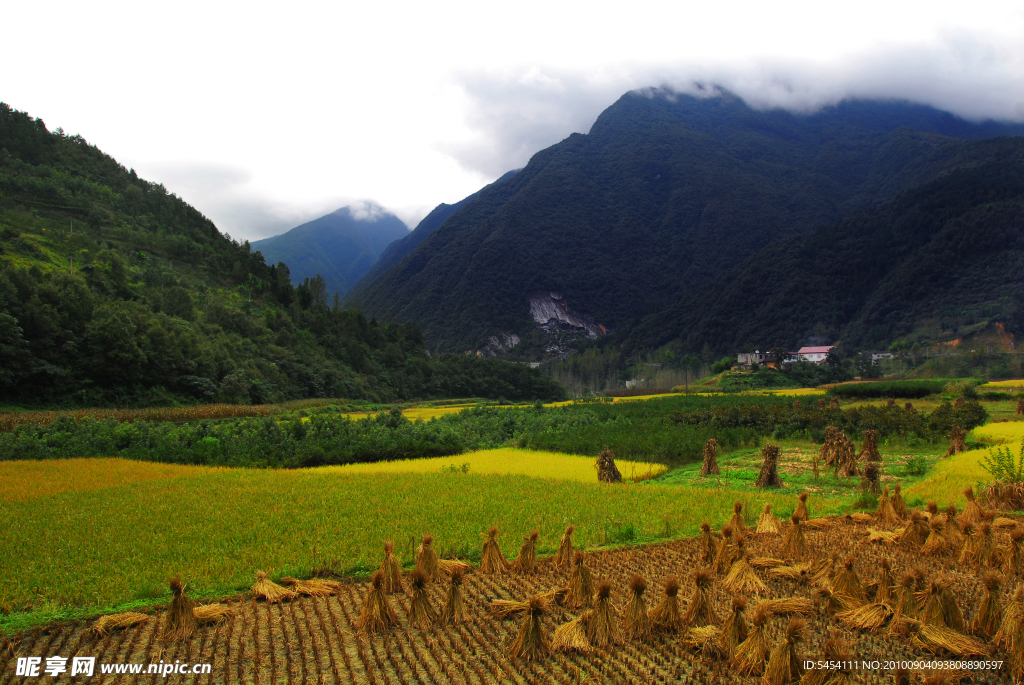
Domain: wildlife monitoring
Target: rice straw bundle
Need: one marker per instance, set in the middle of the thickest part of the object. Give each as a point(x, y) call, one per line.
point(179, 621)
point(710, 465)
point(972, 512)
point(636, 623)
point(802, 512)
point(421, 614)
point(869, 617)
point(527, 558)
point(572, 636)
point(885, 513)
point(426, 557)
point(581, 584)
point(822, 571)
point(936, 543)
point(454, 610)
point(858, 517)
point(1003, 522)
point(504, 609)
point(377, 614)
point(706, 544)
point(798, 573)
point(726, 552)
point(788, 606)
point(954, 527)
point(1013, 555)
point(563, 558)
point(784, 666)
point(769, 475)
point(741, 577)
point(211, 613)
point(915, 532)
point(736, 521)
point(750, 655)
point(979, 545)
point(706, 641)
point(666, 617)
point(734, 631)
point(817, 524)
point(898, 505)
point(314, 587)
point(939, 639)
point(957, 444)
point(883, 537)
point(795, 544)
point(112, 621)
point(602, 630)
point(531, 643)
point(270, 591)
point(939, 607)
point(450, 566)
point(700, 611)
point(905, 604)
point(767, 562)
point(833, 602)
point(492, 561)
point(392, 570)
point(767, 524)
point(556, 596)
point(885, 583)
point(839, 653)
point(1011, 633)
point(990, 613)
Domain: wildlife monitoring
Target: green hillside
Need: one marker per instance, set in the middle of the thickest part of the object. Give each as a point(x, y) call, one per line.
point(112, 290)
point(665, 192)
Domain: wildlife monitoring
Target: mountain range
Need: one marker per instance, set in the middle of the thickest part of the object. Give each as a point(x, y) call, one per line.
point(666, 195)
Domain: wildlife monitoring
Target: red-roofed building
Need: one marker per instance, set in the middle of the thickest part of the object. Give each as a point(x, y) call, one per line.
point(815, 355)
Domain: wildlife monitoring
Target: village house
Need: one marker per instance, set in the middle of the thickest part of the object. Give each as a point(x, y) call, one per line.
point(815, 355)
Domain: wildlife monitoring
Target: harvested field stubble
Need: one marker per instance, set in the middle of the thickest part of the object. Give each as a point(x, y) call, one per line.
point(316, 638)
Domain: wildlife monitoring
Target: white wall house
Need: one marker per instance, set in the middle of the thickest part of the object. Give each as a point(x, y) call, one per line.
point(815, 355)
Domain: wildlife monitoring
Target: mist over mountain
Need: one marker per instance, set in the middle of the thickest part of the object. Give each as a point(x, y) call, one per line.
point(665, 192)
point(340, 246)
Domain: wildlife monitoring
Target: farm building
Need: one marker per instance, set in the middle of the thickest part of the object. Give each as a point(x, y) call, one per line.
point(815, 355)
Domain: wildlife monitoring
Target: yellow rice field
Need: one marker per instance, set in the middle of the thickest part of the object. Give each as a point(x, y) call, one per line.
point(1015, 384)
point(508, 462)
point(791, 392)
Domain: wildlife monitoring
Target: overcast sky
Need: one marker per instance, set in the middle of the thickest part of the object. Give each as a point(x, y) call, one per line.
point(263, 115)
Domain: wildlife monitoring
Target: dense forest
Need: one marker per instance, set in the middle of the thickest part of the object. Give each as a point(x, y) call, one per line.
point(665, 192)
point(114, 291)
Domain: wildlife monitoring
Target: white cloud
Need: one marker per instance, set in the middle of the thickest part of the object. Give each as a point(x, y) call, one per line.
point(264, 115)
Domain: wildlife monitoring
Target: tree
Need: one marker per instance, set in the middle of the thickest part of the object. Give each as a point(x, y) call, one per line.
point(15, 358)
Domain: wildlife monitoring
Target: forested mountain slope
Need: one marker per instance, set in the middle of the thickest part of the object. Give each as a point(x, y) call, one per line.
point(666, 192)
point(114, 291)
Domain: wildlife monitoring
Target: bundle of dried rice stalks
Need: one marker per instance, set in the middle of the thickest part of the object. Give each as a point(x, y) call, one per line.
point(492, 561)
point(868, 617)
point(936, 544)
point(857, 518)
point(563, 558)
point(421, 614)
point(833, 602)
point(377, 614)
point(823, 570)
point(710, 465)
point(1011, 633)
point(784, 666)
point(531, 643)
point(883, 537)
point(179, 621)
point(940, 639)
point(113, 621)
point(426, 557)
point(799, 573)
point(450, 566)
point(1020, 406)
point(767, 524)
point(972, 512)
point(769, 475)
point(898, 505)
point(602, 629)
point(707, 642)
point(837, 652)
point(269, 590)
point(915, 532)
point(767, 562)
point(392, 570)
point(734, 631)
point(869, 452)
point(737, 523)
point(607, 471)
point(904, 605)
point(886, 514)
point(726, 551)
point(1013, 554)
point(527, 559)
point(454, 610)
point(834, 403)
point(845, 460)
point(990, 613)
point(572, 636)
point(957, 444)
point(828, 454)
point(939, 607)
point(1000, 522)
point(581, 584)
point(211, 613)
point(795, 544)
point(882, 589)
point(979, 545)
point(749, 657)
point(706, 544)
point(701, 611)
point(667, 617)
point(636, 622)
point(817, 524)
point(504, 609)
point(314, 587)
point(787, 606)
point(742, 579)
point(954, 527)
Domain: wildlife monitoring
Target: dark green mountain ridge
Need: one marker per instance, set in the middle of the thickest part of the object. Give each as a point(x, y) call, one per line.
point(664, 193)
